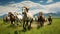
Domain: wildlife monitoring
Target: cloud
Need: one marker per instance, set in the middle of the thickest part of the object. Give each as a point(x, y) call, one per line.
point(7, 9)
point(57, 4)
point(18, 6)
point(41, 1)
point(55, 7)
point(39, 10)
point(34, 7)
point(51, 8)
point(49, 1)
point(30, 4)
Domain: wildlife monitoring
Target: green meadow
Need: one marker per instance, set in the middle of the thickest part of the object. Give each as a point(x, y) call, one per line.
point(54, 28)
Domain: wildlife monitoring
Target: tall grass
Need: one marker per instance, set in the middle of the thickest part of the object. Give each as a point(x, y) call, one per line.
point(54, 28)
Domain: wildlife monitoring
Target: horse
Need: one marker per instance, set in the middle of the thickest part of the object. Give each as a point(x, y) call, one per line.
point(26, 18)
point(6, 19)
point(12, 18)
point(19, 17)
point(50, 19)
point(30, 18)
point(41, 20)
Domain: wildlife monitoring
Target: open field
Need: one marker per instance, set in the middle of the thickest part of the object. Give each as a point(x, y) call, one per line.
point(54, 28)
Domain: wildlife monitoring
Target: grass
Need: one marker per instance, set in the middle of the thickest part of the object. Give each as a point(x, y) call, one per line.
point(54, 28)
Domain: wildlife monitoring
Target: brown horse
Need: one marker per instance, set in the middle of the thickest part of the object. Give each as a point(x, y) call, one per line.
point(41, 20)
point(6, 19)
point(12, 17)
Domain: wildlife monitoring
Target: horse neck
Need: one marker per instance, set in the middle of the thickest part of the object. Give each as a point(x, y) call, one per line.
point(25, 14)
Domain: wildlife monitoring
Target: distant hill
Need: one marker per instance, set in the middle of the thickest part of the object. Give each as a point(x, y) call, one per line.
point(3, 15)
point(54, 15)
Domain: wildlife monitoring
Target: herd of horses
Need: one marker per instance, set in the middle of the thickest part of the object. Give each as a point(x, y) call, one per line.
point(27, 19)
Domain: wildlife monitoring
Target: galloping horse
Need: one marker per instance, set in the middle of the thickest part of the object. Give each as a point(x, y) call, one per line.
point(6, 18)
point(12, 17)
point(50, 19)
point(26, 18)
point(19, 17)
point(41, 19)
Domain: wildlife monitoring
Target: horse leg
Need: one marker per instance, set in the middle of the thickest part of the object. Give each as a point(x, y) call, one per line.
point(50, 22)
point(12, 22)
point(40, 24)
point(29, 26)
point(26, 23)
point(30, 23)
point(24, 27)
point(20, 21)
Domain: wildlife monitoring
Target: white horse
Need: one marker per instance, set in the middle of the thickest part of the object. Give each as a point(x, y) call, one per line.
point(20, 15)
point(30, 15)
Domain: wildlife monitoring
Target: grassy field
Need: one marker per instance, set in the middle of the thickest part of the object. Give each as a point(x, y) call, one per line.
point(54, 28)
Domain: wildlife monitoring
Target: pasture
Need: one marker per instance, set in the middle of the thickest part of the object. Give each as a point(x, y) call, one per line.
point(54, 28)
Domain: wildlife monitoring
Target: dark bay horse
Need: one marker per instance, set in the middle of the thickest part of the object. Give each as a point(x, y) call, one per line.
point(12, 17)
point(41, 20)
point(50, 19)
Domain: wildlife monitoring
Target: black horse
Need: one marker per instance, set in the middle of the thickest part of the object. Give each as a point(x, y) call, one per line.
point(50, 20)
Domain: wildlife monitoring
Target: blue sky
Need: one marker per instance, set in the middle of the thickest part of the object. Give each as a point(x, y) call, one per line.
point(35, 6)
point(6, 2)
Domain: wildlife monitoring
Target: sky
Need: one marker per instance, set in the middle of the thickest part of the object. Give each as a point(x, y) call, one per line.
point(35, 6)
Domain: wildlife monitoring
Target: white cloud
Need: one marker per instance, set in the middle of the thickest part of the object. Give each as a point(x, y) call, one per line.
point(41, 1)
point(57, 4)
point(30, 4)
point(55, 7)
point(51, 8)
point(15, 6)
point(49, 1)
point(7, 9)
point(39, 10)
point(36, 7)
